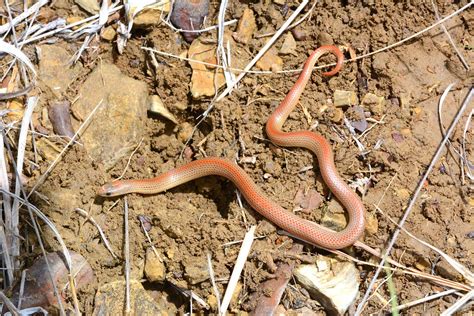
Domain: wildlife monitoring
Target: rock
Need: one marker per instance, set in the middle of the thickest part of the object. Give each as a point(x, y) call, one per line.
point(246, 27)
point(357, 119)
point(280, 2)
point(371, 223)
point(55, 72)
point(344, 98)
point(270, 61)
point(333, 283)
point(204, 80)
point(110, 300)
point(108, 34)
point(157, 106)
point(149, 16)
point(38, 289)
point(298, 33)
point(116, 127)
point(155, 270)
point(91, 6)
point(196, 270)
point(375, 103)
point(189, 15)
point(59, 114)
point(334, 218)
point(337, 114)
point(185, 132)
point(289, 45)
point(180, 105)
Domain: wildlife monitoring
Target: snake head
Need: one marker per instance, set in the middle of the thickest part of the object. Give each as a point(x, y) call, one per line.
point(109, 189)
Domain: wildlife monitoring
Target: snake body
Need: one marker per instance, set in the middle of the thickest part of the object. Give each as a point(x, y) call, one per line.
point(296, 226)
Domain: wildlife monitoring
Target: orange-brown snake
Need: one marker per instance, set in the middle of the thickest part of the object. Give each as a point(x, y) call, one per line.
point(296, 226)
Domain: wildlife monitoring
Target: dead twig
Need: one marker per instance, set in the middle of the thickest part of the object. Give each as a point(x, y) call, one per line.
point(414, 198)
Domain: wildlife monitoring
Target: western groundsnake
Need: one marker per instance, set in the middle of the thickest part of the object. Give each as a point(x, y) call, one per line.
point(298, 227)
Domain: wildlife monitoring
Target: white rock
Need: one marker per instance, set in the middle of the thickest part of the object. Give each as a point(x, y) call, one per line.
point(91, 6)
point(333, 283)
point(157, 106)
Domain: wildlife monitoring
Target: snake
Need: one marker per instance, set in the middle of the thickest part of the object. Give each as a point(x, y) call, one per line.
point(294, 225)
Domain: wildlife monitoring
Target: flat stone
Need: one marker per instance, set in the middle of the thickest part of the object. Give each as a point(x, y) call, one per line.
point(116, 127)
point(54, 70)
point(204, 79)
point(332, 283)
point(246, 27)
point(289, 45)
point(344, 98)
point(155, 270)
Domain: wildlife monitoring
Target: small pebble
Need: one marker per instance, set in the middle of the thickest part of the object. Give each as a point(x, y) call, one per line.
point(146, 222)
point(246, 27)
point(298, 34)
point(397, 137)
point(344, 98)
point(289, 45)
point(185, 131)
point(155, 270)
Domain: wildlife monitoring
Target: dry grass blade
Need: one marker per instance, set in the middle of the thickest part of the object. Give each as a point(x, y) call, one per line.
point(239, 266)
point(247, 70)
point(425, 299)
point(468, 275)
point(11, 307)
point(127, 257)
point(30, 106)
point(459, 304)
point(262, 51)
point(66, 28)
point(415, 197)
point(451, 41)
point(101, 232)
point(402, 268)
point(468, 164)
point(221, 52)
point(25, 14)
point(17, 53)
point(6, 210)
point(213, 282)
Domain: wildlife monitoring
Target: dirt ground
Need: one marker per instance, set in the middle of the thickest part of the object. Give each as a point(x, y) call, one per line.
point(200, 217)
